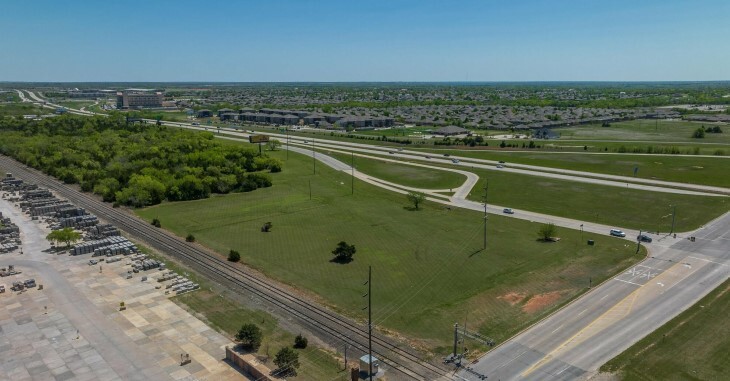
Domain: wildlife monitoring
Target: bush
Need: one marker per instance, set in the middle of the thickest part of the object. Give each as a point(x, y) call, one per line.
point(300, 342)
point(156, 223)
point(343, 252)
point(250, 336)
point(699, 133)
point(234, 256)
point(190, 238)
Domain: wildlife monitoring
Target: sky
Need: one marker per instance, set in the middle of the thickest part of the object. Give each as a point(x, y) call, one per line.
point(364, 40)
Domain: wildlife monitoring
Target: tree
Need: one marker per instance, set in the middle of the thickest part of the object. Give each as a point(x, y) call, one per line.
point(250, 336)
point(300, 342)
point(65, 235)
point(156, 222)
point(190, 238)
point(234, 256)
point(272, 145)
point(547, 231)
point(287, 361)
point(343, 252)
point(267, 227)
point(416, 198)
point(699, 133)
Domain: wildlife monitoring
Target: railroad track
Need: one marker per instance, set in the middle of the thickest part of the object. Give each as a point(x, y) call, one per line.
point(342, 329)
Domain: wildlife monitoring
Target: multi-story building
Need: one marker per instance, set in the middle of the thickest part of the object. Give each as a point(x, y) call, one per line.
point(139, 99)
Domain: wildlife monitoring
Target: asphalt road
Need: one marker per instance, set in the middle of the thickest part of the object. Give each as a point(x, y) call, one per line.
point(575, 341)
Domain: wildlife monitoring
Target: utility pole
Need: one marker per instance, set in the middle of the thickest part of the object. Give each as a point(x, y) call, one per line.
point(314, 160)
point(310, 189)
point(352, 169)
point(638, 242)
point(370, 322)
point(486, 189)
point(287, 143)
point(456, 338)
point(674, 214)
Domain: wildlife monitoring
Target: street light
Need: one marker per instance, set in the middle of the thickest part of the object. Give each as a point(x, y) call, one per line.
point(581, 232)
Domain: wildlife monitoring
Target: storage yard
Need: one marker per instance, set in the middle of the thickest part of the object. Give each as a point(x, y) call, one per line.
point(63, 318)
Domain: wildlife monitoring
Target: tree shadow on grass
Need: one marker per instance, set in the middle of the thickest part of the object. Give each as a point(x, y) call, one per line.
point(410, 208)
point(341, 261)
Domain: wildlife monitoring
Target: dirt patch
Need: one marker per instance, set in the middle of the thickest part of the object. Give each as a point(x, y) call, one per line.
point(538, 302)
point(512, 298)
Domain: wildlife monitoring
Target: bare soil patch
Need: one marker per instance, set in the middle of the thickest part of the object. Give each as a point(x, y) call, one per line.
point(538, 302)
point(513, 297)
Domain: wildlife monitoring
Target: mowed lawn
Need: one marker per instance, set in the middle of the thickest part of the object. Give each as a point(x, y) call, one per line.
point(646, 130)
point(691, 170)
point(428, 271)
point(616, 206)
point(404, 174)
point(693, 346)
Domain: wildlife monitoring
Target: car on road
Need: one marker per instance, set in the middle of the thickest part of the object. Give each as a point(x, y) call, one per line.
point(617, 233)
point(428, 157)
point(500, 166)
point(501, 162)
point(306, 141)
point(508, 211)
point(2, 288)
point(447, 155)
point(644, 238)
point(196, 124)
point(455, 161)
point(391, 152)
point(93, 262)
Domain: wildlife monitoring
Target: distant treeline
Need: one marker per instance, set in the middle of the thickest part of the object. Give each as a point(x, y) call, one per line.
point(135, 164)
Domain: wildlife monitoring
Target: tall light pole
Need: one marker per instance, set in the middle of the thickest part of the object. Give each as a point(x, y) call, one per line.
point(314, 160)
point(674, 215)
point(581, 232)
point(352, 170)
point(287, 143)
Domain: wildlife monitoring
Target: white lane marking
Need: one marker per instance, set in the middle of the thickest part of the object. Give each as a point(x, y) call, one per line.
point(660, 284)
point(561, 326)
point(564, 369)
point(707, 260)
point(625, 281)
point(604, 297)
point(581, 313)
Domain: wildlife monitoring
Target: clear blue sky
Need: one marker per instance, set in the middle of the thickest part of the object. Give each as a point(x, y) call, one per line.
point(366, 40)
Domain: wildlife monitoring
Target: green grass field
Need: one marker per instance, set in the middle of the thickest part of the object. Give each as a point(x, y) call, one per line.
point(428, 272)
point(693, 346)
point(407, 175)
point(588, 202)
point(691, 170)
point(651, 130)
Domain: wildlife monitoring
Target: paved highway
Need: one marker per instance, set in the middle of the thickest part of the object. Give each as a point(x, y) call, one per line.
point(575, 341)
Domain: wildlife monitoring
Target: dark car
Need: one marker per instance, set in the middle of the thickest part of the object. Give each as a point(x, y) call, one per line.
point(644, 238)
point(501, 162)
point(447, 155)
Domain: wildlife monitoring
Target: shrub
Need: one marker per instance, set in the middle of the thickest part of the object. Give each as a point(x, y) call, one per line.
point(156, 223)
point(190, 238)
point(300, 342)
point(234, 256)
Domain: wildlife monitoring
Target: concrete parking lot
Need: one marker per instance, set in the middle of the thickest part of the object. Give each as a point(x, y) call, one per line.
point(73, 329)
